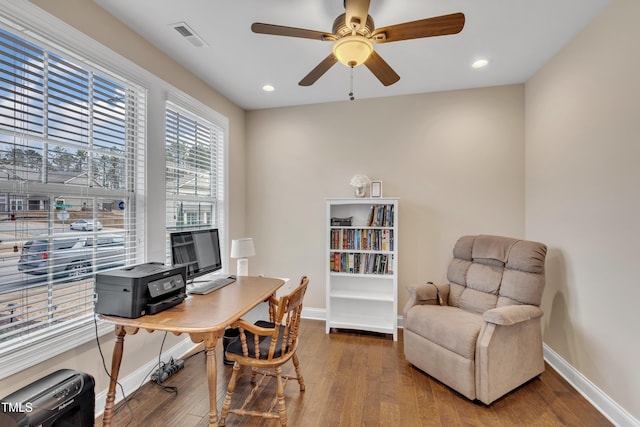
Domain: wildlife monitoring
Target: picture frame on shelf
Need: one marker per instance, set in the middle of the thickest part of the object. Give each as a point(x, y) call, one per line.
point(376, 189)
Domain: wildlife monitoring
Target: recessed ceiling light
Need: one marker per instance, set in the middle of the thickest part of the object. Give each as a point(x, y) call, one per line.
point(268, 88)
point(480, 63)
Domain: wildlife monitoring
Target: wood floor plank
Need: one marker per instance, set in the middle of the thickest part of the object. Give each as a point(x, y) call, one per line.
point(358, 380)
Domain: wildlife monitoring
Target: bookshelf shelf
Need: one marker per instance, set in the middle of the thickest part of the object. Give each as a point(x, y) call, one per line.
point(364, 275)
point(361, 265)
point(359, 296)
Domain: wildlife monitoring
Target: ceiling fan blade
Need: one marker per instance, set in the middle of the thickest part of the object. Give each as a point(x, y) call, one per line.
point(317, 72)
point(429, 27)
point(280, 30)
point(381, 69)
point(356, 13)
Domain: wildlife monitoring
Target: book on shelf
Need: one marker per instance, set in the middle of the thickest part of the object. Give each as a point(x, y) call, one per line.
point(385, 240)
point(380, 216)
point(362, 239)
point(342, 222)
point(361, 263)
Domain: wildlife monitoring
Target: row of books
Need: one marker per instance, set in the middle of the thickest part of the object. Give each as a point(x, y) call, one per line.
point(381, 216)
point(362, 239)
point(357, 263)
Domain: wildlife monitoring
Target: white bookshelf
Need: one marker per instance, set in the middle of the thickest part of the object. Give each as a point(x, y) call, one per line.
point(362, 265)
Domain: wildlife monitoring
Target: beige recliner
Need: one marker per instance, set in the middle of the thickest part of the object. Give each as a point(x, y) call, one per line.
point(480, 334)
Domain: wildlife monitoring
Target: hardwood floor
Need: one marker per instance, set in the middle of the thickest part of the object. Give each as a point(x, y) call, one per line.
point(356, 379)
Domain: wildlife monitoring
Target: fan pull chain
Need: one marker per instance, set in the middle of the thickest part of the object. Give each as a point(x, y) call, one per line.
point(351, 97)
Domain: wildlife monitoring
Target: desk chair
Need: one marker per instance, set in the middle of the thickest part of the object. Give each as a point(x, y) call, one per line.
point(267, 345)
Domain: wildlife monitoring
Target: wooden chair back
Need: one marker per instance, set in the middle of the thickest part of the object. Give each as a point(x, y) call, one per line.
point(277, 340)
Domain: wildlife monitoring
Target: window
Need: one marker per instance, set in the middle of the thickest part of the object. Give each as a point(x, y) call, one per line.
point(194, 171)
point(71, 170)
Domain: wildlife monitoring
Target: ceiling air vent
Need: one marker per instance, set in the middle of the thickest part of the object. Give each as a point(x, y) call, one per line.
point(185, 31)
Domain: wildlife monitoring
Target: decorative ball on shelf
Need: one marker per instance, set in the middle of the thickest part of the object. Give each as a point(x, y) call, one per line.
point(360, 183)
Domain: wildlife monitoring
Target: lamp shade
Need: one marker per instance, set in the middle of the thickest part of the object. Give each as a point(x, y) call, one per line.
point(352, 50)
point(242, 248)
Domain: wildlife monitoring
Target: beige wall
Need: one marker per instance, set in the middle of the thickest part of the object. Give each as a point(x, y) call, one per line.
point(89, 18)
point(583, 200)
point(455, 160)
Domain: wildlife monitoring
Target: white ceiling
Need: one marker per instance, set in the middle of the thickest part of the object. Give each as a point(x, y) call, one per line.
point(517, 36)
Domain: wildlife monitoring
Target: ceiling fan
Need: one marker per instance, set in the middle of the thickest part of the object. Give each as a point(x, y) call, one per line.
point(354, 35)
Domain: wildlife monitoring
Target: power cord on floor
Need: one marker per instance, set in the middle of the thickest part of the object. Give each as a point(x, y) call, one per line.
point(165, 370)
point(104, 365)
point(127, 399)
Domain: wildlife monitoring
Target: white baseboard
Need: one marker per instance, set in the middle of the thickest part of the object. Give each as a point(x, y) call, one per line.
point(601, 401)
point(313, 313)
point(321, 314)
point(142, 375)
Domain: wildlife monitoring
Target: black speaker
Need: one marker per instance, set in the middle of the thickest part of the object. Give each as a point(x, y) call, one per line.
point(65, 398)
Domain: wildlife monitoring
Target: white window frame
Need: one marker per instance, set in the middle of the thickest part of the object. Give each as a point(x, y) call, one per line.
point(198, 111)
point(37, 347)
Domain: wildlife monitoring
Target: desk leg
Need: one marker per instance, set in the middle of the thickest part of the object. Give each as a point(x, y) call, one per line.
point(212, 379)
point(115, 369)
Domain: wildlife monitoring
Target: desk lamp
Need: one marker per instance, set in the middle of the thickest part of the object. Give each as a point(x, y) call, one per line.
point(241, 249)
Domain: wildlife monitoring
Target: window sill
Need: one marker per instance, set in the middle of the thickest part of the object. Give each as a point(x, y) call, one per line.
point(26, 354)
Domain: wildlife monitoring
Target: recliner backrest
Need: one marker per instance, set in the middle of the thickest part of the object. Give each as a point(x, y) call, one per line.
point(493, 271)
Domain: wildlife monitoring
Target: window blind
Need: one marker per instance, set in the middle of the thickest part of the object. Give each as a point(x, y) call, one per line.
point(194, 172)
point(71, 179)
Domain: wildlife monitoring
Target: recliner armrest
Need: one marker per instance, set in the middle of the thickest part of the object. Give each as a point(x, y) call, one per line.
point(512, 314)
point(425, 294)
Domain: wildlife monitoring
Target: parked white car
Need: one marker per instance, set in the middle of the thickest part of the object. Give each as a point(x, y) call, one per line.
point(85, 225)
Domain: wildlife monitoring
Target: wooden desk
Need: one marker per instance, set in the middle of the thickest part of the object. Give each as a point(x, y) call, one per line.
point(203, 317)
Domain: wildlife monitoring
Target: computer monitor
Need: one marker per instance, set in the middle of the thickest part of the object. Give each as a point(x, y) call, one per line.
point(198, 250)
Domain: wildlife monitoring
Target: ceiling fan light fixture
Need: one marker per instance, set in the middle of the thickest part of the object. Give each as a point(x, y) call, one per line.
point(352, 50)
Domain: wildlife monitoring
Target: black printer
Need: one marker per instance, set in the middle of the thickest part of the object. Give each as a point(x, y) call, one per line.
point(140, 289)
